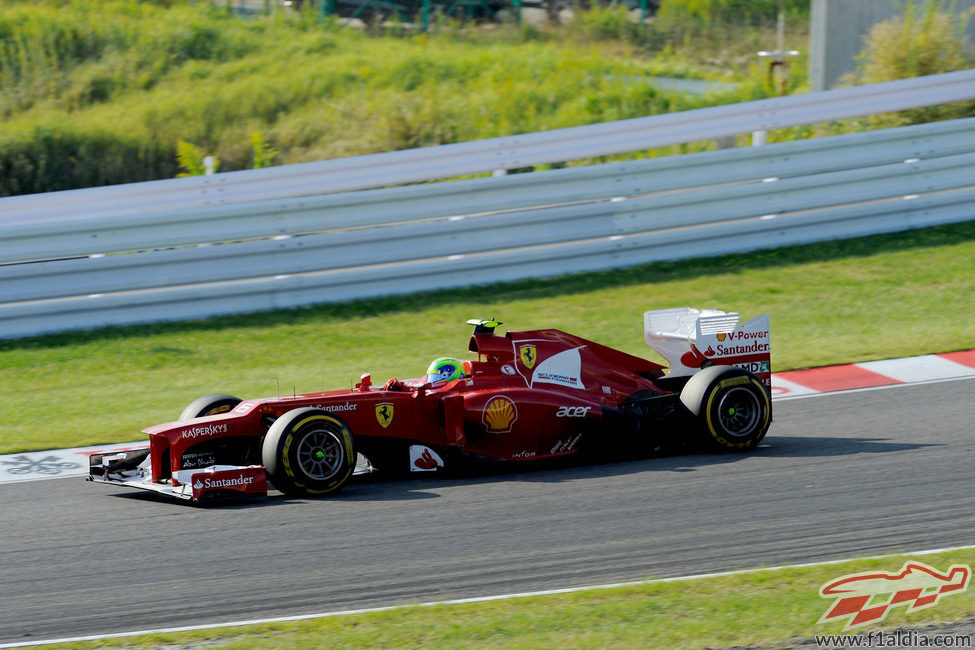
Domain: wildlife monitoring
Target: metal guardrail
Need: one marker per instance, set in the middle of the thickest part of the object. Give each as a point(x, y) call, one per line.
point(198, 262)
point(664, 193)
point(40, 239)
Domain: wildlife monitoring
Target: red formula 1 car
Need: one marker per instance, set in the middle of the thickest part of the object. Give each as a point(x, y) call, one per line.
point(528, 396)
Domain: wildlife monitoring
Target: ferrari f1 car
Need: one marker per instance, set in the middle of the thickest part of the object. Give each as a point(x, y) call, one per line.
point(527, 396)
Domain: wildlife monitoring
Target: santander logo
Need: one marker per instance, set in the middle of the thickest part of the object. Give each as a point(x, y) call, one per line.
point(234, 482)
point(425, 461)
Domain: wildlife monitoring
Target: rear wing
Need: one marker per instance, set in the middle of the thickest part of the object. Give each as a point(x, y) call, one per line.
point(691, 339)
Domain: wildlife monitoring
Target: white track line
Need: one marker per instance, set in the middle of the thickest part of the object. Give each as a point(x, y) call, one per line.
point(478, 599)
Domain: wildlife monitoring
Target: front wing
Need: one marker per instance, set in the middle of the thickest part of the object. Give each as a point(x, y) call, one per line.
point(132, 469)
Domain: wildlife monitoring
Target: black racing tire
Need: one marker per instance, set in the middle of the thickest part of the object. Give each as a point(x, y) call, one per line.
point(209, 405)
point(731, 407)
point(308, 452)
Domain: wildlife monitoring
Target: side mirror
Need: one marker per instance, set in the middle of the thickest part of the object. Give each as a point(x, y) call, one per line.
point(365, 382)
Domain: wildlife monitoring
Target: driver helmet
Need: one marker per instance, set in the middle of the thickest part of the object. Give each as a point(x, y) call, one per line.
point(445, 369)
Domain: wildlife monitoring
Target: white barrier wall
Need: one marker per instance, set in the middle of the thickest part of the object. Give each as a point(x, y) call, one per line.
point(194, 261)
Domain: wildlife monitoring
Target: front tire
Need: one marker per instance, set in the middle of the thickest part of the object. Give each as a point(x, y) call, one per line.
point(308, 451)
point(209, 405)
point(731, 406)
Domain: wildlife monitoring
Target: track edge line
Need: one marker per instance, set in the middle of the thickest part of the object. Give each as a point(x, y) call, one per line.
point(476, 599)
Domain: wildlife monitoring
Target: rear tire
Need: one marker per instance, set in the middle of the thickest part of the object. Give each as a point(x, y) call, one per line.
point(308, 451)
point(209, 405)
point(731, 407)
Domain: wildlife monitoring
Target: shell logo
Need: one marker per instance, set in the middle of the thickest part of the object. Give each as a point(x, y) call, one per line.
point(499, 414)
point(722, 336)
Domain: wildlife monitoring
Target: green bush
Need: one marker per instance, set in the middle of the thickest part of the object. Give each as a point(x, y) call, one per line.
point(50, 157)
point(608, 23)
point(708, 13)
point(94, 93)
point(191, 159)
point(929, 38)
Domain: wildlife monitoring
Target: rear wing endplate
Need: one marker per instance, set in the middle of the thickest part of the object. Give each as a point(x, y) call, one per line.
point(691, 339)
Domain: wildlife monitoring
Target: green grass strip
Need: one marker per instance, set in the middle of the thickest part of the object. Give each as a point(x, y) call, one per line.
point(878, 297)
point(767, 608)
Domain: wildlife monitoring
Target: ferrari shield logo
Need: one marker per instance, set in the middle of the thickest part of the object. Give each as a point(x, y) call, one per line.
point(384, 413)
point(528, 355)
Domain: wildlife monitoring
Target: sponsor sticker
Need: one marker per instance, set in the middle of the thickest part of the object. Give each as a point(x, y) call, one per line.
point(528, 355)
point(348, 406)
point(499, 414)
point(745, 348)
point(424, 459)
point(250, 480)
point(203, 431)
point(556, 378)
point(565, 446)
point(693, 358)
point(741, 335)
point(751, 337)
point(572, 411)
point(236, 481)
point(562, 369)
point(384, 413)
point(754, 367)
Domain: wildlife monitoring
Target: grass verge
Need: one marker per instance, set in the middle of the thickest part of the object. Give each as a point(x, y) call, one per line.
point(766, 608)
point(877, 297)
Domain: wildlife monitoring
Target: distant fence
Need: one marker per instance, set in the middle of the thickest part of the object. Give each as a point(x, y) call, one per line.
point(249, 241)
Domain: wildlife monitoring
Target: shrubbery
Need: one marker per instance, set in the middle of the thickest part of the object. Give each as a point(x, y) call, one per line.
point(710, 13)
point(101, 92)
point(53, 156)
point(928, 39)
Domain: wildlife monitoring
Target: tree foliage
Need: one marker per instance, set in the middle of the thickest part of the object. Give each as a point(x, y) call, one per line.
point(929, 38)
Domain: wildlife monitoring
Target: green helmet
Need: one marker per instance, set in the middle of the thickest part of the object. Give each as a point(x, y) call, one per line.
point(445, 369)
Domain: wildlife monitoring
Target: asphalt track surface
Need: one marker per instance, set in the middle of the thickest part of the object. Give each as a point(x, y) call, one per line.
point(840, 475)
